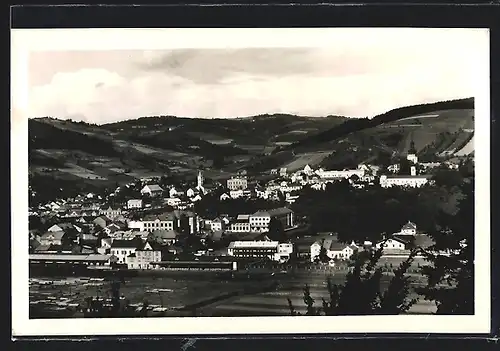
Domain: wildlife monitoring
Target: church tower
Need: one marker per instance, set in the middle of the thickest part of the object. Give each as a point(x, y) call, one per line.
point(200, 180)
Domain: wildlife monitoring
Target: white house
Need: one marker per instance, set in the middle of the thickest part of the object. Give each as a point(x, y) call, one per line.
point(308, 170)
point(144, 257)
point(237, 183)
point(391, 244)
point(110, 212)
point(412, 158)
point(259, 221)
point(190, 192)
point(284, 252)
point(134, 203)
point(122, 248)
point(224, 197)
point(173, 201)
point(334, 249)
point(196, 198)
point(217, 225)
point(409, 228)
point(152, 190)
point(263, 249)
point(403, 181)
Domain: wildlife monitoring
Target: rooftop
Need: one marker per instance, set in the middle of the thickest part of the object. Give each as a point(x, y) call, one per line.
point(253, 244)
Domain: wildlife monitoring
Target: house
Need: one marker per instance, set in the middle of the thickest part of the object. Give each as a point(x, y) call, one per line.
point(173, 201)
point(61, 227)
point(196, 198)
point(259, 221)
point(165, 221)
point(237, 183)
point(241, 224)
point(413, 181)
point(217, 225)
point(163, 237)
point(308, 170)
point(142, 258)
point(110, 212)
point(53, 238)
point(134, 203)
point(110, 229)
point(122, 248)
point(224, 197)
point(102, 221)
point(262, 249)
point(409, 228)
point(173, 192)
point(152, 190)
point(412, 158)
point(335, 250)
point(393, 243)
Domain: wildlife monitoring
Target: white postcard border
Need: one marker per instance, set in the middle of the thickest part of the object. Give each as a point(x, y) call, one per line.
point(27, 40)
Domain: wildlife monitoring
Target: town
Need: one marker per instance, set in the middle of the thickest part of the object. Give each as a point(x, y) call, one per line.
point(150, 225)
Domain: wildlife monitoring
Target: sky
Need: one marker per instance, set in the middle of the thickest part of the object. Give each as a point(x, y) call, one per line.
point(354, 75)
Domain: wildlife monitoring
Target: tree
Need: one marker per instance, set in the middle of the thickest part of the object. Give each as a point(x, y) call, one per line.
point(360, 294)
point(451, 275)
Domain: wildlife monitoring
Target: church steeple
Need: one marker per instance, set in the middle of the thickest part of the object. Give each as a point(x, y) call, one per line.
point(201, 179)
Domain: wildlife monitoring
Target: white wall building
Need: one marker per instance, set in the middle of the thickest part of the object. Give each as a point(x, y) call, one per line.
point(237, 183)
point(152, 190)
point(122, 248)
point(391, 244)
point(134, 203)
point(403, 181)
point(334, 249)
point(271, 250)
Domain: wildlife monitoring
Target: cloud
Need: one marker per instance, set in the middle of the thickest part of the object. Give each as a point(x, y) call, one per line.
point(363, 79)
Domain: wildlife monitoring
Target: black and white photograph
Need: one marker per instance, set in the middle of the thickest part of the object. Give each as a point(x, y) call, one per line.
point(170, 181)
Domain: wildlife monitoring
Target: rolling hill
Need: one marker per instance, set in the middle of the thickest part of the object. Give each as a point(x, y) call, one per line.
point(152, 146)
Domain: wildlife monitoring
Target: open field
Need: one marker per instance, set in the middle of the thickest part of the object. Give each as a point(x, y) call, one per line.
point(82, 172)
point(311, 158)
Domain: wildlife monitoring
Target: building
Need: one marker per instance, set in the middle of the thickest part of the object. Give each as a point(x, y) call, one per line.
point(241, 224)
point(217, 225)
point(134, 203)
point(392, 244)
point(52, 238)
point(342, 174)
point(61, 227)
point(412, 158)
point(167, 221)
point(144, 257)
point(200, 179)
point(152, 190)
point(122, 248)
point(111, 212)
point(271, 250)
point(409, 228)
point(259, 221)
point(415, 181)
point(163, 237)
point(237, 183)
point(150, 223)
point(335, 250)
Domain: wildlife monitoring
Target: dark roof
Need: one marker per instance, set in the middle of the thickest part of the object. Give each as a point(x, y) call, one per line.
point(129, 244)
point(154, 246)
point(274, 212)
point(409, 225)
point(57, 235)
point(168, 216)
point(165, 234)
